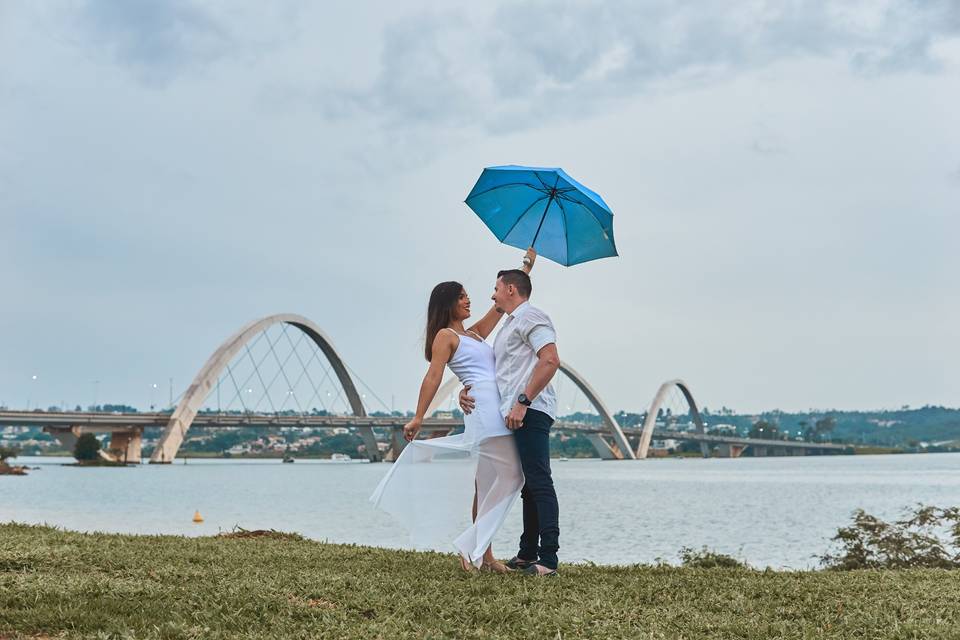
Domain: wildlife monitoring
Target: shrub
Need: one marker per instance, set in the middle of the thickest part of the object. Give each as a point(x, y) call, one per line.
point(87, 448)
point(8, 452)
point(707, 559)
point(927, 537)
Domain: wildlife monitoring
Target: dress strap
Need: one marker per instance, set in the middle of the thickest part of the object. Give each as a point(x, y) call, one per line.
point(479, 337)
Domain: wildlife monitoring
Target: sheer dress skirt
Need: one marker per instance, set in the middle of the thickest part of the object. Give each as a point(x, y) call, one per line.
point(429, 489)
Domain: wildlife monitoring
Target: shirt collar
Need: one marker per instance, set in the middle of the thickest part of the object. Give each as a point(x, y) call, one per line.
point(520, 310)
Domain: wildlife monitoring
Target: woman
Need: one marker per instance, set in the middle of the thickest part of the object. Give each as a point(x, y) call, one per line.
point(432, 479)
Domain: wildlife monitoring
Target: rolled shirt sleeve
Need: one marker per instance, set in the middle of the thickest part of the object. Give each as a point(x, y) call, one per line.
point(539, 330)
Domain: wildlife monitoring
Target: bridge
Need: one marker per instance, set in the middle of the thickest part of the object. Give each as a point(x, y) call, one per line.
point(608, 437)
point(67, 426)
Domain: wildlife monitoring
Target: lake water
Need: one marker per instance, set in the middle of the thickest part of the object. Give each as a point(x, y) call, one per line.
point(777, 512)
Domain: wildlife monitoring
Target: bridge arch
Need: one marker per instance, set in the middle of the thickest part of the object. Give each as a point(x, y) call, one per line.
point(203, 383)
point(623, 450)
point(650, 423)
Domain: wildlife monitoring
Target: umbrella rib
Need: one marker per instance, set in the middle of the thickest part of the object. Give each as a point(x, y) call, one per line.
point(566, 231)
point(594, 217)
point(537, 176)
point(500, 186)
point(585, 207)
point(520, 217)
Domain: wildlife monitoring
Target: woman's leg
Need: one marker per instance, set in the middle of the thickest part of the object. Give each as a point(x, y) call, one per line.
point(473, 518)
point(498, 477)
point(474, 513)
point(497, 482)
point(488, 554)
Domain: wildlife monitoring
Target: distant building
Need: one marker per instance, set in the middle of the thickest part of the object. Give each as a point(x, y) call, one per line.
point(726, 429)
point(668, 444)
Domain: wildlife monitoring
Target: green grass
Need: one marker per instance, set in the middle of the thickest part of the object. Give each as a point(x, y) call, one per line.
point(72, 585)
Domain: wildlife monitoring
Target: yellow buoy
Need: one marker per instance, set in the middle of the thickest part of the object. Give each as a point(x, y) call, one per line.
point(197, 517)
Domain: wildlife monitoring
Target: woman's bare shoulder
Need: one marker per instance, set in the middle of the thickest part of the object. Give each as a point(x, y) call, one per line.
point(445, 337)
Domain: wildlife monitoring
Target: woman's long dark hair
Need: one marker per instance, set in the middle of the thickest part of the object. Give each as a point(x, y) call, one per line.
point(443, 299)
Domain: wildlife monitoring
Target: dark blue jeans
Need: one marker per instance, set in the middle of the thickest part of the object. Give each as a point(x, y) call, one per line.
point(541, 513)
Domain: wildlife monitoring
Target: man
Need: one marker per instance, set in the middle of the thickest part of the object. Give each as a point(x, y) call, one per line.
point(526, 353)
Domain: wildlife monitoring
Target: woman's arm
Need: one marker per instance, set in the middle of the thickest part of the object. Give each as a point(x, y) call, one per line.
point(485, 325)
point(444, 345)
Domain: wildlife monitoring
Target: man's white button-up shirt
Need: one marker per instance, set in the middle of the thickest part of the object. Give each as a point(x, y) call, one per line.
point(524, 333)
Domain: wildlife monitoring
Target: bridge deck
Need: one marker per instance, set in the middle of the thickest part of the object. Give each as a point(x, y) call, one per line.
point(121, 421)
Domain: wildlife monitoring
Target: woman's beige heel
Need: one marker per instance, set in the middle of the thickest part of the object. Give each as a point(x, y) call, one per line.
point(495, 567)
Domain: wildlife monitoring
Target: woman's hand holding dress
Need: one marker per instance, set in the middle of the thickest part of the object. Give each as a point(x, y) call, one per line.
point(411, 429)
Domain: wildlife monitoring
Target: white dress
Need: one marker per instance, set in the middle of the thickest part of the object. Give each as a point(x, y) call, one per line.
point(430, 487)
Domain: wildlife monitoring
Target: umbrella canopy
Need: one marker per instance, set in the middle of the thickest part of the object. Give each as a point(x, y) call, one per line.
point(546, 209)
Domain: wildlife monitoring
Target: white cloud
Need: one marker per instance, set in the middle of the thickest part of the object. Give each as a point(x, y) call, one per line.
point(531, 62)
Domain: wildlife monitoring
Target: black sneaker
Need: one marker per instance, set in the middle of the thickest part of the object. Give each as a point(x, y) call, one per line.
point(518, 564)
point(532, 570)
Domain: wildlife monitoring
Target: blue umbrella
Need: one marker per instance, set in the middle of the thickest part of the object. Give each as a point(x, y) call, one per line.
point(545, 209)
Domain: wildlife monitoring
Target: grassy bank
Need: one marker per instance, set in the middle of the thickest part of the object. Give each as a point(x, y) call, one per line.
point(63, 584)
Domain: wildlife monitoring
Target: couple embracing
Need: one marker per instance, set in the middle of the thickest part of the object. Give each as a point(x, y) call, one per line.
point(509, 406)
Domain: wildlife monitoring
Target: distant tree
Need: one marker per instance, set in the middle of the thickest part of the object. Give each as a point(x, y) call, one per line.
point(824, 426)
point(87, 448)
point(764, 430)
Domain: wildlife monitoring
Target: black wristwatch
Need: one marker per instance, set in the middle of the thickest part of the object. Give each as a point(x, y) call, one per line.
point(524, 400)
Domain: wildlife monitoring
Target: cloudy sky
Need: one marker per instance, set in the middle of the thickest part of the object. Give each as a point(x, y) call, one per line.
point(785, 178)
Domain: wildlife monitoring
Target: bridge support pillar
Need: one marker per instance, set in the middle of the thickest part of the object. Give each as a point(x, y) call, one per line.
point(125, 446)
point(125, 443)
point(67, 436)
point(397, 444)
point(370, 443)
point(729, 450)
point(603, 449)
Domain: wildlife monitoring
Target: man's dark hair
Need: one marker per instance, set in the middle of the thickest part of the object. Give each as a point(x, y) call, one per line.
point(517, 278)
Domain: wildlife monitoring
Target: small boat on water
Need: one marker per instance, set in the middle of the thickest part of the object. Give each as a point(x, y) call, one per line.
point(288, 458)
point(340, 457)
